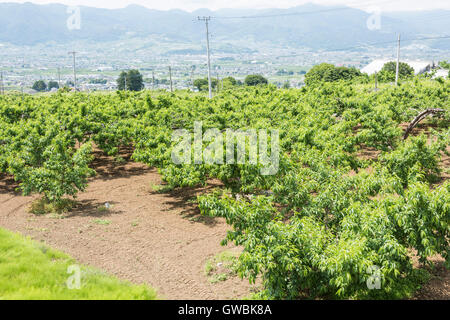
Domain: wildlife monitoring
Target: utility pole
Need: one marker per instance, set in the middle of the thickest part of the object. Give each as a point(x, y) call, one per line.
point(125, 82)
point(207, 19)
point(192, 77)
point(74, 70)
point(398, 62)
point(23, 76)
point(153, 79)
point(218, 82)
point(170, 76)
point(2, 89)
point(59, 77)
point(376, 81)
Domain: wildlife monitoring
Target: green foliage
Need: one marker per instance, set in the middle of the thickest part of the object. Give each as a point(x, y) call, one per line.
point(326, 72)
point(414, 158)
point(130, 80)
point(444, 64)
point(39, 85)
point(44, 206)
point(255, 80)
point(33, 271)
point(229, 82)
point(64, 89)
point(315, 227)
point(50, 165)
point(53, 84)
point(387, 74)
point(98, 81)
point(202, 84)
point(221, 267)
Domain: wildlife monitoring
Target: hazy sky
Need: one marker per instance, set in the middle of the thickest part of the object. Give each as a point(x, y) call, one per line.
point(190, 5)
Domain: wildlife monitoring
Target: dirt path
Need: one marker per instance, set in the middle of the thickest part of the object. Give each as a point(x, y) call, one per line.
point(152, 238)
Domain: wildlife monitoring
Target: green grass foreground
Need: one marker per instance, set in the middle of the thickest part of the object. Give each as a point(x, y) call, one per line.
point(30, 270)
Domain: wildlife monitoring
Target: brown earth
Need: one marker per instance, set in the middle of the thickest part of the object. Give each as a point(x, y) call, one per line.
point(438, 288)
point(145, 237)
point(152, 238)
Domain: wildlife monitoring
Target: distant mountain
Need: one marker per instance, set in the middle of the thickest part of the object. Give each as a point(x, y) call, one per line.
point(312, 26)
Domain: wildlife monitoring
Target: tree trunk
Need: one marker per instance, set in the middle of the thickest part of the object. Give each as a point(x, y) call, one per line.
point(419, 118)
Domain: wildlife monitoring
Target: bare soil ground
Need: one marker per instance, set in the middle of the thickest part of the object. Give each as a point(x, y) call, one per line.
point(145, 237)
point(438, 288)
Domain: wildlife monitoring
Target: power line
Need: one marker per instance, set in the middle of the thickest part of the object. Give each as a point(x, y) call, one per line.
point(374, 44)
point(387, 42)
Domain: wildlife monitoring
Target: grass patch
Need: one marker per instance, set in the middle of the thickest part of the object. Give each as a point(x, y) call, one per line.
point(32, 271)
point(160, 188)
point(102, 222)
point(221, 266)
point(43, 206)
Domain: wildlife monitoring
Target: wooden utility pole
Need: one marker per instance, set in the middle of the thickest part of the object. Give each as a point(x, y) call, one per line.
point(397, 69)
point(153, 79)
point(207, 19)
point(218, 82)
point(376, 81)
point(59, 77)
point(192, 77)
point(74, 70)
point(2, 88)
point(170, 76)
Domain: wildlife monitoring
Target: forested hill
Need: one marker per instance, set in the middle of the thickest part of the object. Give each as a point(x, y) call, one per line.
point(313, 26)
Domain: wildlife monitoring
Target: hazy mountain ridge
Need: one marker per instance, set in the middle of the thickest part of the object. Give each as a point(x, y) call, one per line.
point(333, 28)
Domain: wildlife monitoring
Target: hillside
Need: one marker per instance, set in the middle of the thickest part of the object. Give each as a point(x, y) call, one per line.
point(30, 24)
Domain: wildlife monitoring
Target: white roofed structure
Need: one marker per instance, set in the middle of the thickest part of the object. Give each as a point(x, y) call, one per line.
point(418, 66)
point(444, 73)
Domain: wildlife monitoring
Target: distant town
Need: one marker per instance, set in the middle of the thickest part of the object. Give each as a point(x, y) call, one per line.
point(97, 68)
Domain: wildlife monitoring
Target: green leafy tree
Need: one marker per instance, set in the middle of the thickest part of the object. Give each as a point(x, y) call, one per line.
point(326, 72)
point(132, 79)
point(202, 84)
point(322, 72)
point(255, 80)
point(51, 166)
point(53, 84)
point(444, 64)
point(40, 86)
point(286, 85)
point(229, 82)
point(387, 74)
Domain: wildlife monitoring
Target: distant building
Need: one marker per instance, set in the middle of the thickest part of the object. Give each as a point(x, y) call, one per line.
point(419, 67)
point(444, 73)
